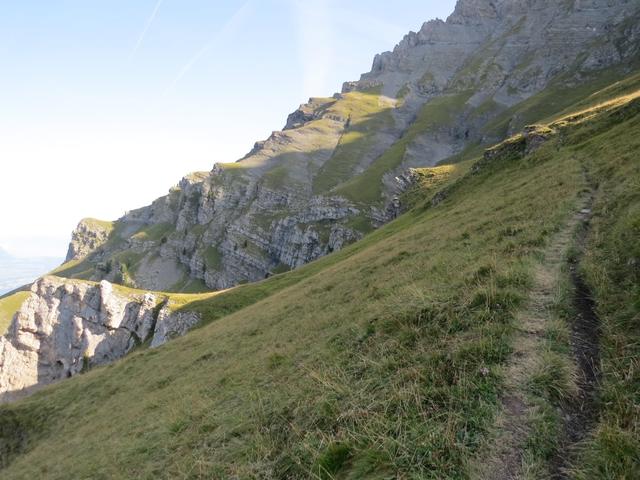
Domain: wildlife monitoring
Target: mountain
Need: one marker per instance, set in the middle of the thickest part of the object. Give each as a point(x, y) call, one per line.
point(338, 168)
point(487, 327)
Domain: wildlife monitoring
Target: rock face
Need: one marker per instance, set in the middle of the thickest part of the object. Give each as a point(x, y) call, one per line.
point(331, 174)
point(172, 324)
point(65, 327)
point(88, 236)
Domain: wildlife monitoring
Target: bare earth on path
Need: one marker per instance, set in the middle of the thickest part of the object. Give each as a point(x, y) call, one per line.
point(504, 458)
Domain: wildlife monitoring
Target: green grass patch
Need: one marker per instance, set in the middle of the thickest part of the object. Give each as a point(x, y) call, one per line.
point(430, 181)
point(366, 188)
point(8, 307)
point(81, 269)
point(96, 224)
point(277, 177)
point(154, 233)
point(368, 114)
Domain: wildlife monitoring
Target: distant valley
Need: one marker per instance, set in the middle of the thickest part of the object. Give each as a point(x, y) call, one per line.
point(18, 271)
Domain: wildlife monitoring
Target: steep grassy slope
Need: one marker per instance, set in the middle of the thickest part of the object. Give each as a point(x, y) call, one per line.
point(9, 305)
point(612, 269)
point(380, 361)
point(439, 113)
point(554, 102)
point(369, 113)
point(362, 157)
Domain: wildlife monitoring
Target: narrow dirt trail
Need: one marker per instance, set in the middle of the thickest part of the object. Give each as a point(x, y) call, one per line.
point(504, 459)
point(580, 414)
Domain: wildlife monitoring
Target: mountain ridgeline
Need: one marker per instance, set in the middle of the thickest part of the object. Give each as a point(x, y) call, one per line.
point(434, 274)
point(338, 168)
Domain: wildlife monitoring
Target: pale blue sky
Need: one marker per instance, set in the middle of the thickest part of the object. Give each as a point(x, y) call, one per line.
point(106, 104)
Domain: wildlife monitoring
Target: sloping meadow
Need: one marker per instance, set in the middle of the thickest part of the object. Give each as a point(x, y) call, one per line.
point(381, 361)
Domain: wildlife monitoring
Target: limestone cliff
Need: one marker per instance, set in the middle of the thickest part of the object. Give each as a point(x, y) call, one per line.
point(65, 327)
point(89, 235)
point(336, 170)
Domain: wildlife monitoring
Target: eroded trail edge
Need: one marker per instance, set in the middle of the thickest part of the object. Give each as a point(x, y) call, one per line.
point(505, 457)
point(581, 413)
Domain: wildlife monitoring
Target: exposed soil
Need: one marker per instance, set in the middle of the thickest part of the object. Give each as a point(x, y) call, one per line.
point(505, 456)
point(582, 412)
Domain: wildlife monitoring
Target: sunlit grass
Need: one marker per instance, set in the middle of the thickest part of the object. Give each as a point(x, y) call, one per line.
point(364, 362)
point(366, 188)
point(8, 307)
point(368, 114)
point(381, 360)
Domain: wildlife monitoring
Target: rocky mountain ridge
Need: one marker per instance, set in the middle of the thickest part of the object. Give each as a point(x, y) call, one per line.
point(335, 171)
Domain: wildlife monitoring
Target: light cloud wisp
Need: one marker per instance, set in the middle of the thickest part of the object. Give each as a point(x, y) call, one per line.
point(315, 40)
point(227, 29)
point(146, 28)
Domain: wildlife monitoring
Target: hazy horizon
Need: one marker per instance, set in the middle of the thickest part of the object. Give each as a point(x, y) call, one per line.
point(16, 272)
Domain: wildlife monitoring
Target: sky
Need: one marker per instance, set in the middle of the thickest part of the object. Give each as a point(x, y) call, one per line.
point(106, 104)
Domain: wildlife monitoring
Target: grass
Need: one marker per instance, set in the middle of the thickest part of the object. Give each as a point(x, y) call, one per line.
point(154, 233)
point(360, 223)
point(382, 360)
point(277, 177)
point(96, 224)
point(612, 269)
point(366, 188)
point(190, 285)
point(606, 148)
point(8, 307)
point(432, 180)
point(403, 92)
point(365, 364)
point(369, 114)
point(213, 258)
point(80, 268)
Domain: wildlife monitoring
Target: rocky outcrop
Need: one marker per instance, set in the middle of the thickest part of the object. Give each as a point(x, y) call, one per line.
point(65, 327)
point(172, 324)
point(89, 235)
point(307, 112)
point(531, 138)
point(434, 96)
